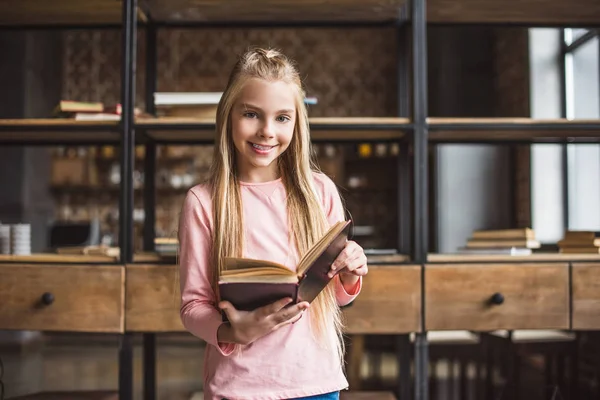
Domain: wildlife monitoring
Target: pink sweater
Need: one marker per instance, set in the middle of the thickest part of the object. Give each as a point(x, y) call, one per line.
point(286, 363)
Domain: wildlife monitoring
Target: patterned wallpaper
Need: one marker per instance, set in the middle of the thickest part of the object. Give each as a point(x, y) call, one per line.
point(351, 71)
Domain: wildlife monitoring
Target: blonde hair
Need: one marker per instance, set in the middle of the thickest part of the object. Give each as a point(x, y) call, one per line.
point(307, 220)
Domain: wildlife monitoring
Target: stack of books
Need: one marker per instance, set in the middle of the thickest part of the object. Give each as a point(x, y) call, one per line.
point(165, 246)
point(517, 241)
point(587, 242)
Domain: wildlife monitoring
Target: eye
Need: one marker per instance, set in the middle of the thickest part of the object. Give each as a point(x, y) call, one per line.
point(250, 114)
point(283, 118)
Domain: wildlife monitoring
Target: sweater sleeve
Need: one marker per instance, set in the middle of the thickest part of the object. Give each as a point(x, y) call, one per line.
point(199, 313)
point(334, 210)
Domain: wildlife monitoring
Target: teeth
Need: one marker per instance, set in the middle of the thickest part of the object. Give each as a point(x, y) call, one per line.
point(256, 146)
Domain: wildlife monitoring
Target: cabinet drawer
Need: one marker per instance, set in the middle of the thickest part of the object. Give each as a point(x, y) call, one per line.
point(497, 296)
point(586, 296)
point(152, 299)
point(73, 298)
point(389, 302)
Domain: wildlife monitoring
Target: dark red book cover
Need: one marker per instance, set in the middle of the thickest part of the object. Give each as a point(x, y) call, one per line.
point(248, 296)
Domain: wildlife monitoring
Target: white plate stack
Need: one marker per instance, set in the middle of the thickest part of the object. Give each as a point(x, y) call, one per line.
point(20, 239)
point(4, 239)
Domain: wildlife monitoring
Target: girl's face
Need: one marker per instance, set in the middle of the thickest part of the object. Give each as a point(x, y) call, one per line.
point(262, 121)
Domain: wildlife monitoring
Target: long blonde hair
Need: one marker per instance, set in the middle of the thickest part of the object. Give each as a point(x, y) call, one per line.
point(307, 220)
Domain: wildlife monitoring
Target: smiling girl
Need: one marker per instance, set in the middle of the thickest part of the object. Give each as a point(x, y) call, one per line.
point(265, 200)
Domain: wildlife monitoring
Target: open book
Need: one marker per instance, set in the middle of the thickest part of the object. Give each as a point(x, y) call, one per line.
point(249, 284)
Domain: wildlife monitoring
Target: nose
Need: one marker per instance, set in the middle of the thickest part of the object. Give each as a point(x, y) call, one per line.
point(267, 130)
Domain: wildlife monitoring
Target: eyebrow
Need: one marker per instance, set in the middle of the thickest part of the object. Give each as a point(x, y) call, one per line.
point(285, 110)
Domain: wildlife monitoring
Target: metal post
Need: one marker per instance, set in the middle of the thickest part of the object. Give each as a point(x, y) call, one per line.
point(404, 160)
point(126, 367)
point(128, 136)
point(126, 194)
point(149, 366)
point(420, 134)
point(150, 153)
point(563, 114)
point(404, 192)
point(150, 202)
point(404, 353)
point(420, 207)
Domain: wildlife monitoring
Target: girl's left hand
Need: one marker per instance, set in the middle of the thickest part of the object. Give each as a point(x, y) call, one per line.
point(352, 260)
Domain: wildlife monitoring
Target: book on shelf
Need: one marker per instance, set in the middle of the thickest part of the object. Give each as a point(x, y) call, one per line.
point(584, 242)
point(499, 234)
point(580, 250)
point(502, 241)
point(249, 283)
point(509, 251)
point(91, 250)
point(187, 104)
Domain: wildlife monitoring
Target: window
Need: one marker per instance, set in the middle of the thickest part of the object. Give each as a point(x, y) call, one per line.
point(565, 82)
point(582, 101)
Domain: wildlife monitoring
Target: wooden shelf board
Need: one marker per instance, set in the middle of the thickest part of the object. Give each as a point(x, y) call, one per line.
point(76, 258)
point(388, 259)
point(512, 129)
point(175, 130)
point(268, 11)
point(57, 130)
point(535, 257)
point(62, 12)
point(523, 12)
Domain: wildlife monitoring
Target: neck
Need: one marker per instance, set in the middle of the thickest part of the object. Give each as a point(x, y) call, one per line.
point(259, 175)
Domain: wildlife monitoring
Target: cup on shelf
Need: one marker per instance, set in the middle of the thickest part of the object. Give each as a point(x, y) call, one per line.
point(20, 239)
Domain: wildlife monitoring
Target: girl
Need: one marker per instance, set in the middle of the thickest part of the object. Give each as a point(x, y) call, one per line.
point(264, 201)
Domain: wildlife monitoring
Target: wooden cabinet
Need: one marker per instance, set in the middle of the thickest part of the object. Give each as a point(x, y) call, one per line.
point(485, 297)
point(152, 299)
point(75, 298)
point(585, 281)
point(389, 302)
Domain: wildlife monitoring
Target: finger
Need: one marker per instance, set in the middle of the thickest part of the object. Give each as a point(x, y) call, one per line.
point(288, 313)
point(293, 320)
point(350, 264)
point(274, 307)
point(362, 270)
point(351, 250)
point(229, 310)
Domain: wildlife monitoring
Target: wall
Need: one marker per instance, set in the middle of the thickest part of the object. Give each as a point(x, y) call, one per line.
point(30, 79)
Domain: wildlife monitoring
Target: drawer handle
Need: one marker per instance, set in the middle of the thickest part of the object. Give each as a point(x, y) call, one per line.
point(47, 298)
point(497, 299)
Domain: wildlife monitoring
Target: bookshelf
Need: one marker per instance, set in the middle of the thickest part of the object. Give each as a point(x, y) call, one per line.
point(413, 129)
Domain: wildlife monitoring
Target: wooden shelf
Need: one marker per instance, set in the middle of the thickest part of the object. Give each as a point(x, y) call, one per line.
point(523, 12)
point(188, 130)
point(62, 12)
point(57, 131)
point(483, 130)
point(388, 259)
point(53, 258)
point(487, 258)
point(239, 11)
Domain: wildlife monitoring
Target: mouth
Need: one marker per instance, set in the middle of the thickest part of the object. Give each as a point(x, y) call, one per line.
point(261, 149)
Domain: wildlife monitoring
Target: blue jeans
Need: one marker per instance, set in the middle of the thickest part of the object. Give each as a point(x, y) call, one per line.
point(325, 396)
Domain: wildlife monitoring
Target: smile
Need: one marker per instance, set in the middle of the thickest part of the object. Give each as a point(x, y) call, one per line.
point(261, 149)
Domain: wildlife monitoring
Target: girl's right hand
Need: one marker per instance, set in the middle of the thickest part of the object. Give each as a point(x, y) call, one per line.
point(247, 326)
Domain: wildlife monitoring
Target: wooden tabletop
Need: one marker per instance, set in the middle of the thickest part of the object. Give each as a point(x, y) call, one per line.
point(541, 257)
